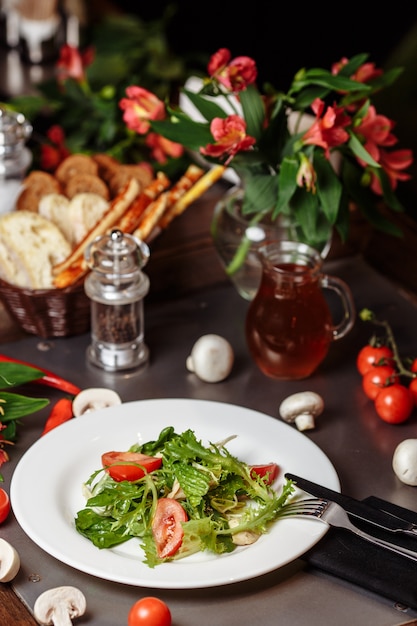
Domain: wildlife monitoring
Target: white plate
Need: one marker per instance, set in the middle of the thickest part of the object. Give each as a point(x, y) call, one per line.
point(52, 471)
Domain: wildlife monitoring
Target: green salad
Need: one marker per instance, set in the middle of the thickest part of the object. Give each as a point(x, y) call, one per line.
point(179, 497)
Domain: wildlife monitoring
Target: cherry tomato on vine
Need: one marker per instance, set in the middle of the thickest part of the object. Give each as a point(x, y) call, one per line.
point(413, 366)
point(377, 378)
point(4, 506)
point(370, 356)
point(129, 465)
point(149, 611)
point(394, 403)
point(413, 390)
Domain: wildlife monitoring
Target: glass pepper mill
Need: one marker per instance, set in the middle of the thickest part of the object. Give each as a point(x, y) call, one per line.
point(15, 157)
point(116, 287)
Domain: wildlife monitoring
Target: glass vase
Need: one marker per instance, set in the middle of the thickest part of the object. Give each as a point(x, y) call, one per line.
point(237, 240)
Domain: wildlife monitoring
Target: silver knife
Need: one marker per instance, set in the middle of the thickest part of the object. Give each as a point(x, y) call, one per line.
point(376, 517)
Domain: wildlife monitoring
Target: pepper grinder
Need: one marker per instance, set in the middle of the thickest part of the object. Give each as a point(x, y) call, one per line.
point(15, 157)
point(116, 287)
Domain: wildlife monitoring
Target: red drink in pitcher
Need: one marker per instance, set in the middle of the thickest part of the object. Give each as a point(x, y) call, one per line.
point(289, 326)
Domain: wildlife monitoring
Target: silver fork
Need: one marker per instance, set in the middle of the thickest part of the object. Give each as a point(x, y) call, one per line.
point(333, 514)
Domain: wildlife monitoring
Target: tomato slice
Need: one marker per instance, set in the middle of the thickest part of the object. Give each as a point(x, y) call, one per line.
point(129, 465)
point(167, 526)
point(4, 505)
point(268, 472)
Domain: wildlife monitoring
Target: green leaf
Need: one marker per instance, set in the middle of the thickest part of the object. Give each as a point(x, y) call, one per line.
point(16, 406)
point(180, 128)
point(287, 185)
point(208, 108)
point(253, 111)
point(15, 374)
point(329, 187)
point(359, 151)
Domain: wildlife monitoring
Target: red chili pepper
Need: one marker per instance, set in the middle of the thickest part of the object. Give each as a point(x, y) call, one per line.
point(48, 378)
point(61, 412)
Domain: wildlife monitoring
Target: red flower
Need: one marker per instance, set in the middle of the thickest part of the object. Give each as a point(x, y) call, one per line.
point(363, 74)
point(139, 107)
point(54, 153)
point(161, 148)
point(4, 457)
point(72, 63)
point(235, 75)
point(231, 138)
point(376, 129)
point(393, 164)
point(328, 130)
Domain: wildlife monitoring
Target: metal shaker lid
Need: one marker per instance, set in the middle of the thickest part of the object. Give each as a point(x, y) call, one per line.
point(15, 130)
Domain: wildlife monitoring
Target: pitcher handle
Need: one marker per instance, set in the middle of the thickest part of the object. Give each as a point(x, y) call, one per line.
point(342, 290)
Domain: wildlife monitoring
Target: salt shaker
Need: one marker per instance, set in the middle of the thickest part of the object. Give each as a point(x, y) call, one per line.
point(116, 287)
point(15, 157)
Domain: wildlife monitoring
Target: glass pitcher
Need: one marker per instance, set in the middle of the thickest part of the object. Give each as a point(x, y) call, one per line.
point(289, 326)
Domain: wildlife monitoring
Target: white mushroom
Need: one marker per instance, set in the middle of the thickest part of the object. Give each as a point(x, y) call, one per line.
point(211, 358)
point(244, 537)
point(57, 607)
point(404, 462)
point(9, 562)
point(93, 399)
point(302, 408)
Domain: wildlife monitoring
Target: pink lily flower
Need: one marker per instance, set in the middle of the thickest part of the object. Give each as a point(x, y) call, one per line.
point(328, 130)
point(139, 107)
point(235, 74)
point(161, 148)
point(231, 138)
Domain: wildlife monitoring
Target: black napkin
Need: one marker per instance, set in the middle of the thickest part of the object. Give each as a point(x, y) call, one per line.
point(347, 556)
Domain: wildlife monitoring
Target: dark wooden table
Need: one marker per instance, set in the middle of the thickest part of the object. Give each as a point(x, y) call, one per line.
point(190, 297)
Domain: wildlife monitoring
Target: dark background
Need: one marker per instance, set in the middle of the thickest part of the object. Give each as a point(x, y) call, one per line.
point(281, 36)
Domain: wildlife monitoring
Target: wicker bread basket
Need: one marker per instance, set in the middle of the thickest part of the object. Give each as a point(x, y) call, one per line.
point(48, 312)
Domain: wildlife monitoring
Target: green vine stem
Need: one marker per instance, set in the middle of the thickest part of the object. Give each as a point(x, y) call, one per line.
point(368, 316)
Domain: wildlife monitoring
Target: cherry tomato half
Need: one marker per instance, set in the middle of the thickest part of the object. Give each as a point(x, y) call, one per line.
point(149, 611)
point(167, 526)
point(373, 355)
point(4, 505)
point(268, 472)
point(377, 378)
point(129, 465)
point(394, 404)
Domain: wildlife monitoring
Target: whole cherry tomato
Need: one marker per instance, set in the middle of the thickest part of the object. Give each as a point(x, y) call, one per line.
point(413, 367)
point(149, 611)
point(394, 403)
point(4, 506)
point(413, 389)
point(373, 355)
point(378, 377)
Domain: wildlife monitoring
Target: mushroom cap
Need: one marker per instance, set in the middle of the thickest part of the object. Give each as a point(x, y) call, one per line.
point(9, 561)
point(404, 462)
point(211, 358)
point(94, 398)
point(301, 408)
point(59, 605)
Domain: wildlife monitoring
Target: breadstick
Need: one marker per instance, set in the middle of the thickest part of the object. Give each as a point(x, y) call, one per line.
point(197, 190)
point(117, 207)
point(151, 216)
point(134, 214)
point(155, 213)
point(78, 268)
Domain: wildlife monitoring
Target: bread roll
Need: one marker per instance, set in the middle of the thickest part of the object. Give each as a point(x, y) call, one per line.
point(29, 247)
